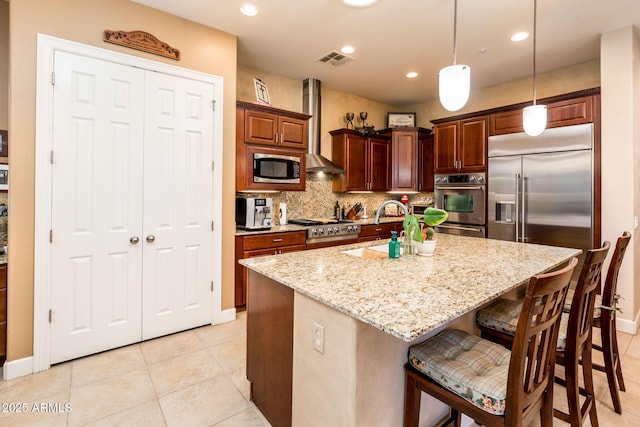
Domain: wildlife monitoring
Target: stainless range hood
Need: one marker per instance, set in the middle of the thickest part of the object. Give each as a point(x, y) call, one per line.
point(312, 106)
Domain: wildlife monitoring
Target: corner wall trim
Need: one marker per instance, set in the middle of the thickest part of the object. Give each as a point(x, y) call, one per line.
point(628, 326)
point(225, 316)
point(18, 368)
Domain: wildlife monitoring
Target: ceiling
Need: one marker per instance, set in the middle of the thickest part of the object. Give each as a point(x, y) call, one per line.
point(393, 37)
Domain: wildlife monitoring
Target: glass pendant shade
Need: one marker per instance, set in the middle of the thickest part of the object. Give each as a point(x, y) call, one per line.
point(534, 119)
point(455, 84)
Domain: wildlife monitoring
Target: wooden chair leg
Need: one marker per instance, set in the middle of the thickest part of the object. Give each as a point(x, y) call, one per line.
point(573, 391)
point(612, 364)
point(411, 401)
point(590, 400)
point(546, 410)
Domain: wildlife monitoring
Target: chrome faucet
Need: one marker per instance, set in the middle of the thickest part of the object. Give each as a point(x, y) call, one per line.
point(390, 202)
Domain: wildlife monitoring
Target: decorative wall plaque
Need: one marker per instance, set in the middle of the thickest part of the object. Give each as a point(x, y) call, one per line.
point(143, 41)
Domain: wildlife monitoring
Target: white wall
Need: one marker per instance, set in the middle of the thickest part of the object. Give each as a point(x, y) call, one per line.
point(620, 78)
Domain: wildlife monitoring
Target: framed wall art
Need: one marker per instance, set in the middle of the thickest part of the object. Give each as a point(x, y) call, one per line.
point(262, 92)
point(4, 177)
point(395, 120)
point(4, 143)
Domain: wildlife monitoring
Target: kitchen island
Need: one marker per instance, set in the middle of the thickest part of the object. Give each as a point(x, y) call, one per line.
point(328, 332)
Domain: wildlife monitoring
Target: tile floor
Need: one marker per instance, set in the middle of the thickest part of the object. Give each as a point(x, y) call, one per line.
point(197, 378)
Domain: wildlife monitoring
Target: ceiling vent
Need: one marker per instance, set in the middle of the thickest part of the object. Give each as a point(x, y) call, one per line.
point(336, 59)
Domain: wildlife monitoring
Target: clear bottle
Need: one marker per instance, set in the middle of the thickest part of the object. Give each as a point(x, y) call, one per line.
point(394, 246)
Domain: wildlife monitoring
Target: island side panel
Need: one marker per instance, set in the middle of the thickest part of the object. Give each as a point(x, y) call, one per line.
point(270, 347)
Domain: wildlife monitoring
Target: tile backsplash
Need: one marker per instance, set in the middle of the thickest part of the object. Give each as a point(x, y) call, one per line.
point(318, 200)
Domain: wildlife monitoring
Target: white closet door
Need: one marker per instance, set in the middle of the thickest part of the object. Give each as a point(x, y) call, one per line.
point(178, 205)
point(97, 206)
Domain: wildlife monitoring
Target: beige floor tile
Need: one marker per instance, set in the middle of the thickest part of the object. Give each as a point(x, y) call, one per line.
point(608, 418)
point(100, 399)
point(203, 404)
point(246, 418)
point(623, 341)
point(630, 399)
point(217, 334)
point(48, 411)
point(170, 346)
point(183, 371)
point(30, 388)
point(239, 379)
point(633, 349)
point(231, 355)
point(105, 365)
point(146, 414)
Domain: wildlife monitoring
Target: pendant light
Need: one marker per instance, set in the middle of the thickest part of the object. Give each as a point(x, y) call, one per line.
point(455, 79)
point(534, 117)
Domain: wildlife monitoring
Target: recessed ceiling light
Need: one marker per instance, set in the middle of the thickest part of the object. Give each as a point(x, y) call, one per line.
point(517, 37)
point(412, 75)
point(249, 9)
point(348, 49)
point(359, 3)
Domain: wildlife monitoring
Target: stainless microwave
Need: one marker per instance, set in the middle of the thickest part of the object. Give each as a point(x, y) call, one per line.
point(276, 168)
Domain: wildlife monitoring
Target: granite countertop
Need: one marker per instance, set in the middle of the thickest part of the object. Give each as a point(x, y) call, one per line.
point(409, 297)
point(294, 227)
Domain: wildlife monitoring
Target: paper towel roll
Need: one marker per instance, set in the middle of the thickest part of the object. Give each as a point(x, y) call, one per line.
point(283, 214)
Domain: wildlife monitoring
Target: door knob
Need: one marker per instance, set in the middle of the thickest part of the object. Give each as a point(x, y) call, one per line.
point(134, 240)
point(151, 238)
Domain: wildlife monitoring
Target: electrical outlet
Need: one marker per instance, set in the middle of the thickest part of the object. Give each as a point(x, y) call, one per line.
point(318, 338)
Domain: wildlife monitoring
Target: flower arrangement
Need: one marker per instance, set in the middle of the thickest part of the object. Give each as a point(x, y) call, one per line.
point(421, 229)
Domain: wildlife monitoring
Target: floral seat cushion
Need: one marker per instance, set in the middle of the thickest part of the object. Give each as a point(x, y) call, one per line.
point(471, 367)
point(502, 316)
point(596, 307)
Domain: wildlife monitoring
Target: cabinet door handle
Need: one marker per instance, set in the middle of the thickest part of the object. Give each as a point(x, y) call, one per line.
point(151, 238)
point(134, 240)
point(378, 229)
point(277, 240)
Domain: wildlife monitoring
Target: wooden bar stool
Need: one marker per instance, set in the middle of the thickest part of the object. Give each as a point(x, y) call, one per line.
point(492, 385)
point(574, 342)
point(604, 317)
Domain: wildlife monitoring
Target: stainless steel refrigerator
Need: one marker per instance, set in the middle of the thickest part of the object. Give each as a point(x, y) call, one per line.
point(540, 189)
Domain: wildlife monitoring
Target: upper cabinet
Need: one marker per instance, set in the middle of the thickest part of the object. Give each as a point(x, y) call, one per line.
point(460, 146)
point(411, 159)
point(266, 132)
point(275, 129)
point(560, 113)
point(365, 160)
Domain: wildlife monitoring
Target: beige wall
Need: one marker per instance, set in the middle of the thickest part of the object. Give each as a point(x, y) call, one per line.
point(4, 64)
point(286, 93)
point(563, 80)
point(202, 49)
point(620, 53)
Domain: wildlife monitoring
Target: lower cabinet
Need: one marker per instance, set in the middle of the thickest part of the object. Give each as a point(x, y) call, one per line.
point(3, 313)
point(259, 245)
point(378, 231)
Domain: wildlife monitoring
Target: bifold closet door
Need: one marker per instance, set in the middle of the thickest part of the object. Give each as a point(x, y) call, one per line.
point(96, 292)
point(132, 205)
point(178, 205)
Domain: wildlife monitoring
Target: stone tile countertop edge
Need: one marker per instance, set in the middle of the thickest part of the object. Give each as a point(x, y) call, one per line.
point(411, 296)
point(294, 227)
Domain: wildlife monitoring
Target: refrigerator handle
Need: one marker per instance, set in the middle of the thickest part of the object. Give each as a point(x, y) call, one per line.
point(524, 206)
point(517, 207)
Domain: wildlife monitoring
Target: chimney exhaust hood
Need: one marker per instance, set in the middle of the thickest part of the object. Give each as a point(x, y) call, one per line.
point(312, 106)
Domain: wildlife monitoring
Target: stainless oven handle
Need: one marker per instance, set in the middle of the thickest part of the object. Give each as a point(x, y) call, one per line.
point(517, 197)
point(474, 187)
point(452, 227)
point(524, 206)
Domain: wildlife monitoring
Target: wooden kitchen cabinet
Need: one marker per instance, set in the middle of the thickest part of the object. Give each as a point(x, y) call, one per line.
point(3, 313)
point(366, 161)
point(263, 129)
point(406, 160)
point(382, 231)
point(425, 163)
point(254, 245)
point(270, 126)
point(460, 146)
point(560, 113)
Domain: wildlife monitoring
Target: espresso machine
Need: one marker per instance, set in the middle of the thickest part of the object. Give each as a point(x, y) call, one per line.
point(253, 213)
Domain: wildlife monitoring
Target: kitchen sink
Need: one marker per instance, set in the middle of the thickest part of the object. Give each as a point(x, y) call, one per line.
point(383, 249)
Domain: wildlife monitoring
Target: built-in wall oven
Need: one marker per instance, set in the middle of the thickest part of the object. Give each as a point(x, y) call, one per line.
point(463, 197)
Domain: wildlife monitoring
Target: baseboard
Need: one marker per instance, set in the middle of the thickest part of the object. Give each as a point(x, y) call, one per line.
point(18, 368)
point(628, 326)
point(225, 316)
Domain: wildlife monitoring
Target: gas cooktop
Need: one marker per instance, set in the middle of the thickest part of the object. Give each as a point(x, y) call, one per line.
point(311, 222)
